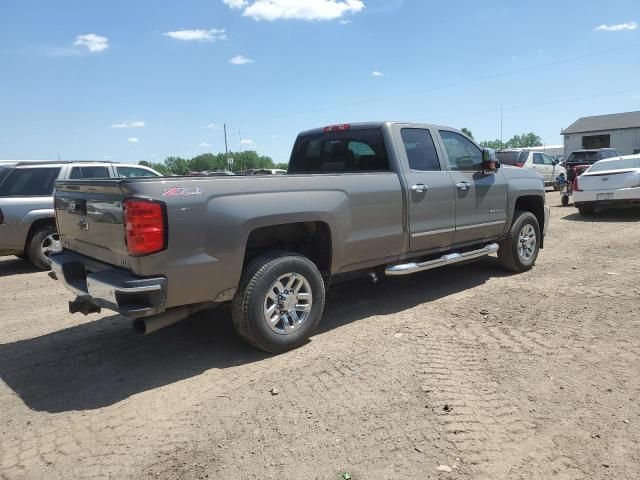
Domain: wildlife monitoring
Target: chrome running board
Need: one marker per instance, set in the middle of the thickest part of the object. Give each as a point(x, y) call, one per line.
point(449, 259)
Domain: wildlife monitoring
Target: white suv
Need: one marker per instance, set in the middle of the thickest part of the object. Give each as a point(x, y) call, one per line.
point(537, 161)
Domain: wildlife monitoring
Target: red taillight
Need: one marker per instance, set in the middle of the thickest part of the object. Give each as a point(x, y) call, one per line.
point(145, 227)
point(576, 185)
point(337, 128)
point(520, 165)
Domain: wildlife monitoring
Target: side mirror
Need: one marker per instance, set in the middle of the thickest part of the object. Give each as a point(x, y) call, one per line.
point(489, 162)
point(556, 162)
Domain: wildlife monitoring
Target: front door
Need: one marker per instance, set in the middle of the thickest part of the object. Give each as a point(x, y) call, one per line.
point(431, 195)
point(481, 199)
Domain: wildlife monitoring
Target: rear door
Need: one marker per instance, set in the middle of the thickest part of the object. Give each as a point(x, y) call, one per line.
point(540, 167)
point(480, 199)
point(431, 195)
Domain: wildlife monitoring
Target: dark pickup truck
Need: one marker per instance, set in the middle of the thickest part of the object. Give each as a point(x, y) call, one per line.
point(388, 198)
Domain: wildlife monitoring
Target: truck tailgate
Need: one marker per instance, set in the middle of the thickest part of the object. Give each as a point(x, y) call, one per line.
point(90, 219)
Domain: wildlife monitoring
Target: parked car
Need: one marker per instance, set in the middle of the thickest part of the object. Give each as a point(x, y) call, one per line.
point(586, 158)
point(27, 220)
point(612, 182)
point(385, 198)
point(269, 171)
point(540, 162)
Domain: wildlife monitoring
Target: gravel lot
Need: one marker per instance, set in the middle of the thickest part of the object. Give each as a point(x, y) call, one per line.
point(533, 376)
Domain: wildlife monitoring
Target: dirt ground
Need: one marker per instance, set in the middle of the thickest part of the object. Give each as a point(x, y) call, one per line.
point(467, 369)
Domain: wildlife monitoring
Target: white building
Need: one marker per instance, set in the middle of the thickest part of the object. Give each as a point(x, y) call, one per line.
point(619, 130)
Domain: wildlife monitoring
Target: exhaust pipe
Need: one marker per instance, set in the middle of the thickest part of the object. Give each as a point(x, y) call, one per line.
point(147, 325)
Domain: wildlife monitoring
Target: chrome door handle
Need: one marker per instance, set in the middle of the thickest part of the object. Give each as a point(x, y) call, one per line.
point(419, 188)
point(462, 185)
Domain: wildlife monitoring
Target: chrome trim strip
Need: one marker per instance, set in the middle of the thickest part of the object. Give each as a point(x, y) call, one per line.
point(433, 232)
point(447, 230)
point(488, 224)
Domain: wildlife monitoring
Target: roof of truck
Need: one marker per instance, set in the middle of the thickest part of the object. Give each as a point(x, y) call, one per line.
point(365, 125)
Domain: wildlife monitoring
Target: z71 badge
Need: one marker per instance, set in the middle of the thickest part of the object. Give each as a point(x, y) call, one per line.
point(495, 211)
point(182, 191)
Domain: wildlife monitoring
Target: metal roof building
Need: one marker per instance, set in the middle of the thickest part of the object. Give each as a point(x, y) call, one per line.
point(618, 130)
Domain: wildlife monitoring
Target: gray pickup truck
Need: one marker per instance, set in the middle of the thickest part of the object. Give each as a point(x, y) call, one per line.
point(385, 198)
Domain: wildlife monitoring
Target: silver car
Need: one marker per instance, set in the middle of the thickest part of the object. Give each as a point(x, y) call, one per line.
point(27, 221)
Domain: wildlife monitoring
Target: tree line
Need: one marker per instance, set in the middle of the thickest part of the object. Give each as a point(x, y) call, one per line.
point(209, 162)
point(524, 140)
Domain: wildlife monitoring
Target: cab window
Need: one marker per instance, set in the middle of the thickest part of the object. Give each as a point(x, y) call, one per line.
point(420, 149)
point(463, 154)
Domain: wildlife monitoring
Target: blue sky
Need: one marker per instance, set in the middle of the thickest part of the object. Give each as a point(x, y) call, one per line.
point(130, 81)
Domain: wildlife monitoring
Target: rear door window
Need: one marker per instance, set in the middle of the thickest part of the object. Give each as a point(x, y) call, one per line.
point(420, 149)
point(29, 182)
point(89, 172)
point(537, 159)
point(463, 154)
point(341, 151)
point(513, 158)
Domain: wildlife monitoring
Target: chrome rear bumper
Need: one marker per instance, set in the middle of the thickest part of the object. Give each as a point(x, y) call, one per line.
point(109, 287)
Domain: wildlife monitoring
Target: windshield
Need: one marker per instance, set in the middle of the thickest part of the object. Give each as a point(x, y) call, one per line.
point(512, 158)
point(583, 157)
point(615, 165)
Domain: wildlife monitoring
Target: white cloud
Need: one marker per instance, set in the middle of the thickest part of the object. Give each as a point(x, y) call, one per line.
point(376, 73)
point(296, 9)
point(92, 42)
point(246, 141)
point(132, 140)
point(204, 145)
point(136, 124)
point(345, 22)
point(198, 35)
point(240, 60)
point(617, 27)
point(212, 126)
point(235, 3)
point(637, 97)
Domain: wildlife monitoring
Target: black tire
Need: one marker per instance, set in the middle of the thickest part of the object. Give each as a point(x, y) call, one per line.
point(249, 302)
point(509, 255)
point(34, 248)
point(564, 200)
point(586, 210)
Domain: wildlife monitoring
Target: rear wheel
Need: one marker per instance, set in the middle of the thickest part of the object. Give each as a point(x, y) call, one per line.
point(43, 243)
point(279, 303)
point(519, 251)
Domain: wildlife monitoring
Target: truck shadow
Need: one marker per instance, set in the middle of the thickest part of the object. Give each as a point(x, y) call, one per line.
point(97, 364)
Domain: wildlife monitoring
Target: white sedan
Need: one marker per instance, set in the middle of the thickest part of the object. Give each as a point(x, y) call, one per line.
point(611, 182)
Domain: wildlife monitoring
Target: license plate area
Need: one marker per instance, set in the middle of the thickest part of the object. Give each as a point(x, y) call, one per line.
point(604, 196)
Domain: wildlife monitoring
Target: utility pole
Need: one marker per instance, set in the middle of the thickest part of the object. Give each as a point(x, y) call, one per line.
point(501, 120)
point(226, 148)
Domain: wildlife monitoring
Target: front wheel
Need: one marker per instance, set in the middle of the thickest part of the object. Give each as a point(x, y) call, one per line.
point(43, 243)
point(279, 303)
point(519, 250)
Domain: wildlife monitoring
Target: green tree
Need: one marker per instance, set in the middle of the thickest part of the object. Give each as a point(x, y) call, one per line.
point(467, 132)
point(524, 140)
point(495, 144)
